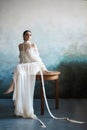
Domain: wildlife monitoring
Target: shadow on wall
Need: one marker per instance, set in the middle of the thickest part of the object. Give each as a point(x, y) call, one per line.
point(73, 79)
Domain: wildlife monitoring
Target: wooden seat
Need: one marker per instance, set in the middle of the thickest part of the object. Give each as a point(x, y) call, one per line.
point(51, 75)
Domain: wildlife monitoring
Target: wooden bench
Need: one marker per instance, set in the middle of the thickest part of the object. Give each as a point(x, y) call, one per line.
point(51, 75)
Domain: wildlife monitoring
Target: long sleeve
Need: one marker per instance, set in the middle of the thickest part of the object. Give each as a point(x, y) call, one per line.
point(36, 57)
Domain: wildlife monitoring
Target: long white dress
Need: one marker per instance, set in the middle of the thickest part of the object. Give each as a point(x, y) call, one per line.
point(24, 79)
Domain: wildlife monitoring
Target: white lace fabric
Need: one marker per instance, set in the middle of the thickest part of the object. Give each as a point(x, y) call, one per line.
point(24, 79)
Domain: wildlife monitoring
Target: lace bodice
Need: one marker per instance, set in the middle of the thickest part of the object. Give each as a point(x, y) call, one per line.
point(31, 55)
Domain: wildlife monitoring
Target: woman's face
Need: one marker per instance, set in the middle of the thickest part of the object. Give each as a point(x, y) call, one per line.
point(27, 36)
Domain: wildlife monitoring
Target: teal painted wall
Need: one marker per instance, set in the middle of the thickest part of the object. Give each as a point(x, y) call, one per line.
point(60, 31)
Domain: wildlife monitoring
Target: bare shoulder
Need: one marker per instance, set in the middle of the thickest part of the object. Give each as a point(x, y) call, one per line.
point(20, 46)
point(25, 46)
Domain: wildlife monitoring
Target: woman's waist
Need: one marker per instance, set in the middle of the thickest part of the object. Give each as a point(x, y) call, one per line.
point(28, 68)
point(28, 64)
point(26, 60)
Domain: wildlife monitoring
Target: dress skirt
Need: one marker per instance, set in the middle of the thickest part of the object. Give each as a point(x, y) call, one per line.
point(24, 79)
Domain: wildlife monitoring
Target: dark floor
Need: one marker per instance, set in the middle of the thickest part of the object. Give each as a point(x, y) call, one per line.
point(73, 108)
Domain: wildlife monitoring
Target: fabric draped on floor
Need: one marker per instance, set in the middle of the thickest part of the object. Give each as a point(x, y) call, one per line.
point(24, 79)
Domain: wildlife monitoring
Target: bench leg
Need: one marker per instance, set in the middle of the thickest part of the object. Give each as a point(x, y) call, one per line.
point(56, 94)
point(42, 101)
point(56, 97)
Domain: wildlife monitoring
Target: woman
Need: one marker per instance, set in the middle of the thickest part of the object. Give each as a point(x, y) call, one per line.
point(24, 80)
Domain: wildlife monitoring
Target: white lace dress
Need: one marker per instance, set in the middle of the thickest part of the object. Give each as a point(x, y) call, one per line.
point(24, 79)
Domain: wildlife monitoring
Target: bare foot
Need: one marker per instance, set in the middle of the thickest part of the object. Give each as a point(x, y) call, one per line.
point(8, 91)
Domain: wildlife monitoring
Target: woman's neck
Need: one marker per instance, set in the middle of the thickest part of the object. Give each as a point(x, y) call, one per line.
point(25, 42)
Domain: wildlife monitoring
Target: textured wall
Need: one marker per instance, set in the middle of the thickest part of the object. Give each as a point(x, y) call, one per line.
point(59, 29)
